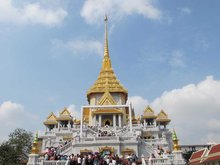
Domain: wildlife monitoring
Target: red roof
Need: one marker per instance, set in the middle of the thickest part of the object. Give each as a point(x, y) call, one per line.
point(196, 156)
point(213, 158)
point(214, 149)
point(199, 156)
point(214, 153)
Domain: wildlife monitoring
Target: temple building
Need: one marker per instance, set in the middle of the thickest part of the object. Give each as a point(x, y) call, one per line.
point(206, 156)
point(108, 125)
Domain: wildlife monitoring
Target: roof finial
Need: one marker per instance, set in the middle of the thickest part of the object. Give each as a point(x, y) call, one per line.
point(106, 61)
point(176, 146)
point(34, 149)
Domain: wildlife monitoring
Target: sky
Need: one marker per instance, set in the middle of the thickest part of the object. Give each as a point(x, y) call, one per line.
point(166, 53)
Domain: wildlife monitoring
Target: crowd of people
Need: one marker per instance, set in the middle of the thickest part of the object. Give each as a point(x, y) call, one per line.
point(91, 158)
point(98, 159)
point(106, 133)
point(102, 132)
point(51, 154)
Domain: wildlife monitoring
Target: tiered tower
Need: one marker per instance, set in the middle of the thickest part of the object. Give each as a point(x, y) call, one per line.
point(107, 90)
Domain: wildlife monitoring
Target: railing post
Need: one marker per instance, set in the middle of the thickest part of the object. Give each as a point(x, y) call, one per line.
point(130, 118)
point(81, 122)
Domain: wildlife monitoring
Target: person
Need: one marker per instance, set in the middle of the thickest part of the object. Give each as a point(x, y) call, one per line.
point(46, 157)
point(78, 160)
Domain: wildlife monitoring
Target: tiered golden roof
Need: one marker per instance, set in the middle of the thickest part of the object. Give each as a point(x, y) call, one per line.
point(107, 79)
point(65, 115)
point(149, 113)
point(51, 119)
point(162, 117)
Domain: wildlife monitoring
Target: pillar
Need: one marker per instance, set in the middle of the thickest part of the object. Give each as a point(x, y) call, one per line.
point(100, 120)
point(114, 120)
point(144, 122)
point(119, 120)
point(68, 126)
point(94, 120)
point(130, 118)
point(59, 124)
point(81, 122)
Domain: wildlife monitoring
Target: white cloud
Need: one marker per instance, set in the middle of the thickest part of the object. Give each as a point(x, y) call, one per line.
point(12, 116)
point(177, 59)
point(30, 13)
point(194, 110)
point(74, 112)
point(138, 103)
point(94, 11)
point(79, 47)
point(186, 10)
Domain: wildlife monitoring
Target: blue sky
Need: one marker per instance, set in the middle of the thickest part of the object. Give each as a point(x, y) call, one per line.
point(166, 53)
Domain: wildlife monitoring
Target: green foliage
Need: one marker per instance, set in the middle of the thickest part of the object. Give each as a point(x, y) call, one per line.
point(22, 140)
point(8, 154)
point(18, 145)
point(187, 155)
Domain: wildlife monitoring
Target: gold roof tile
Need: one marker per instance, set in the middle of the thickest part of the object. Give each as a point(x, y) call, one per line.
point(106, 111)
point(65, 115)
point(149, 113)
point(51, 119)
point(162, 117)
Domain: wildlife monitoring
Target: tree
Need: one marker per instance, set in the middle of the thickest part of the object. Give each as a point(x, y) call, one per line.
point(22, 140)
point(187, 155)
point(18, 145)
point(8, 154)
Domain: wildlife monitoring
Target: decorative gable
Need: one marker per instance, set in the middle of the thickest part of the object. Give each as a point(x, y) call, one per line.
point(107, 99)
point(149, 113)
point(65, 112)
point(51, 117)
point(162, 115)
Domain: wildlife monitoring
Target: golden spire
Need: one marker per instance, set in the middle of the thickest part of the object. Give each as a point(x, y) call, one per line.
point(34, 149)
point(107, 80)
point(176, 146)
point(106, 64)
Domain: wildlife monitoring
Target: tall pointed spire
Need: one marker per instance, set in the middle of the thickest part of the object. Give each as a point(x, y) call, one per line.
point(106, 64)
point(107, 80)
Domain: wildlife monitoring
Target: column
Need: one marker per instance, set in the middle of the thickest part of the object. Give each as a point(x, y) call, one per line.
point(130, 118)
point(144, 122)
point(94, 120)
point(68, 126)
point(114, 120)
point(81, 122)
point(119, 120)
point(100, 120)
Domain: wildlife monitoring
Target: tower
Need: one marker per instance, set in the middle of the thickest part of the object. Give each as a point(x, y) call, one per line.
point(107, 90)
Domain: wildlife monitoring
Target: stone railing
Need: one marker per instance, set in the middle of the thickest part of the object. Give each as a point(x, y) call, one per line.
point(159, 161)
point(56, 162)
point(41, 161)
point(64, 148)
